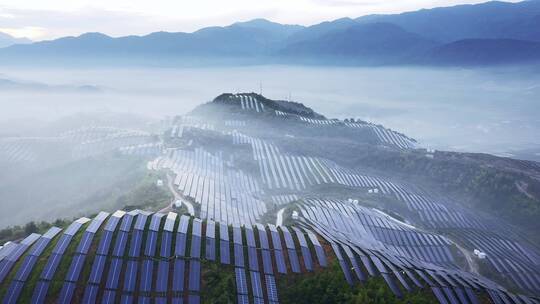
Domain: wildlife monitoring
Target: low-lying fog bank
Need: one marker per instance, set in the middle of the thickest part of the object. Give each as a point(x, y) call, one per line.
point(482, 110)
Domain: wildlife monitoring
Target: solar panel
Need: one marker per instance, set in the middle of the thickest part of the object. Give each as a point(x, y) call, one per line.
point(97, 222)
point(26, 267)
point(178, 275)
point(147, 271)
point(126, 299)
point(97, 269)
point(108, 297)
point(75, 268)
point(180, 247)
point(271, 288)
point(105, 242)
point(194, 299)
point(166, 242)
point(155, 221)
point(392, 284)
point(13, 293)
point(84, 244)
point(120, 244)
point(66, 293)
point(136, 243)
point(51, 266)
point(151, 242)
point(169, 222)
point(439, 295)
point(162, 276)
point(40, 291)
point(256, 284)
point(241, 283)
point(114, 220)
point(267, 262)
point(126, 222)
point(76, 225)
point(113, 277)
point(141, 220)
point(130, 276)
point(90, 294)
point(194, 275)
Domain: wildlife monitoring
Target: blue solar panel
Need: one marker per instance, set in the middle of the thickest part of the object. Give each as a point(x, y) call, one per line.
point(194, 299)
point(243, 299)
point(141, 221)
point(135, 244)
point(105, 243)
point(210, 248)
point(256, 284)
point(321, 257)
point(241, 282)
point(26, 267)
point(73, 228)
point(75, 268)
point(51, 266)
point(267, 261)
point(271, 288)
point(392, 284)
point(112, 223)
point(120, 244)
point(166, 242)
point(84, 244)
point(62, 244)
point(194, 275)
point(160, 300)
point(5, 267)
point(126, 222)
point(162, 276)
point(144, 300)
point(308, 262)
point(252, 258)
point(224, 252)
point(114, 273)
point(90, 294)
point(178, 275)
point(280, 261)
point(151, 242)
point(39, 246)
point(40, 291)
point(96, 222)
point(293, 258)
point(147, 270)
point(66, 294)
point(195, 246)
point(97, 269)
point(13, 293)
point(155, 221)
point(180, 246)
point(108, 297)
point(130, 276)
point(177, 300)
point(126, 299)
point(238, 255)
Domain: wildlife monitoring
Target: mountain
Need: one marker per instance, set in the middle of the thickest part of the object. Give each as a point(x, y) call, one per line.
point(448, 35)
point(484, 52)
point(493, 20)
point(365, 43)
point(7, 40)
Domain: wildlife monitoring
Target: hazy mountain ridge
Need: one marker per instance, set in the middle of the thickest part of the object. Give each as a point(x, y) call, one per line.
point(8, 40)
point(447, 35)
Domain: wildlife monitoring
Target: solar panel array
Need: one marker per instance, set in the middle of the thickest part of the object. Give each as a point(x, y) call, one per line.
point(138, 256)
point(367, 243)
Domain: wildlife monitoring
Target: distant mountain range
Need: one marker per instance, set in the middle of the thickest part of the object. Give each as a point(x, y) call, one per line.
point(7, 40)
point(480, 34)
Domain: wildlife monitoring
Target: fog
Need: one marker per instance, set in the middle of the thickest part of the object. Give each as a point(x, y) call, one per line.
point(478, 110)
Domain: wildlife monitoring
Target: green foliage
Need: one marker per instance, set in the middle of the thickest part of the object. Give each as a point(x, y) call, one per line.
point(330, 286)
point(219, 284)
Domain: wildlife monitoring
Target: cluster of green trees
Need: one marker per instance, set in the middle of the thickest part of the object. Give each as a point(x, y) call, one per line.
point(329, 286)
point(20, 232)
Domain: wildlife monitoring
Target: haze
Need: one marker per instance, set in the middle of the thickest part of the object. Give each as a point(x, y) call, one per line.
point(476, 110)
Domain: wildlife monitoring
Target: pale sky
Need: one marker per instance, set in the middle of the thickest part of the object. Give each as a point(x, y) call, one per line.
point(49, 19)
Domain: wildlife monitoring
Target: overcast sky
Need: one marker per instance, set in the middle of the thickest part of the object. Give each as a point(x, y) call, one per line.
point(48, 19)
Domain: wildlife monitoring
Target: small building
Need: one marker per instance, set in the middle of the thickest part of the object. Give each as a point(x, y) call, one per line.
point(159, 183)
point(482, 255)
point(295, 215)
point(177, 204)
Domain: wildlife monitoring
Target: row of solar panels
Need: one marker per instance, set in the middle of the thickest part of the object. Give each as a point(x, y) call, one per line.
point(359, 260)
point(138, 256)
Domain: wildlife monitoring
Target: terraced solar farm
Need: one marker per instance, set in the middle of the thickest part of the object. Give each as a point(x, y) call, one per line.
point(279, 199)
